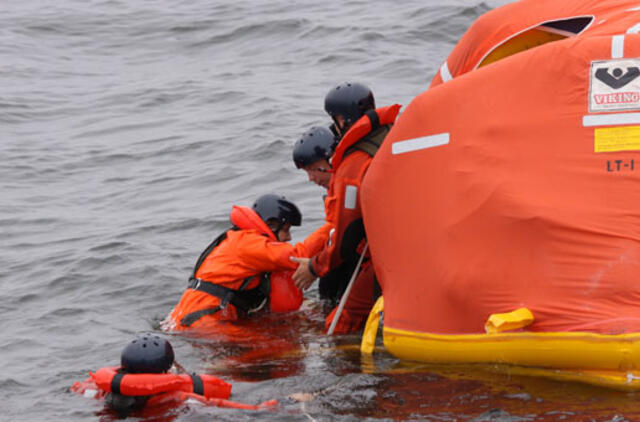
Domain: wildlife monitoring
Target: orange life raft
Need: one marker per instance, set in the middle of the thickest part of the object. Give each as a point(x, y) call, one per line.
point(514, 183)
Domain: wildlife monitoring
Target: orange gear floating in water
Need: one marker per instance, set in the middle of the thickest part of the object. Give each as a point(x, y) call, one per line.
point(163, 388)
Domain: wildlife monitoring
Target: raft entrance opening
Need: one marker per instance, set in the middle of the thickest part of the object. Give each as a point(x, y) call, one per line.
point(541, 34)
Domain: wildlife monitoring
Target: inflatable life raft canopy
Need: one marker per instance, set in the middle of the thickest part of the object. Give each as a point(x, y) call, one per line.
point(514, 182)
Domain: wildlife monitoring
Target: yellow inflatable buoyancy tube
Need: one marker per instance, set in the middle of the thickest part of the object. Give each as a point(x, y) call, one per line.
point(566, 350)
point(604, 360)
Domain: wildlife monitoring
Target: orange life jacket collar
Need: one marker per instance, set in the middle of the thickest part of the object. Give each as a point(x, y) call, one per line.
point(361, 128)
point(246, 218)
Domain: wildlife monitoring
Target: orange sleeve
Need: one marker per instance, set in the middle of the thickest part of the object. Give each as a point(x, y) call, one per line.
point(265, 255)
point(315, 241)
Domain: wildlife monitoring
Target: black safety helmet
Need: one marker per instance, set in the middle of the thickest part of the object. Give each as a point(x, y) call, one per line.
point(349, 100)
point(271, 206)
point(318, 143)
point(147, 353)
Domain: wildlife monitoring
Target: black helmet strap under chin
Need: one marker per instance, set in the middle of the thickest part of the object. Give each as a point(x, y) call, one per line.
point(280, 226)
point(341, 130)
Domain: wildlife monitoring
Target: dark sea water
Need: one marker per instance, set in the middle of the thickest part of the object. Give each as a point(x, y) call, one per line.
point(128, 129)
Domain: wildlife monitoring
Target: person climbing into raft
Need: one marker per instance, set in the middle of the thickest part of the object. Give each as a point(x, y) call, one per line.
point(362, 128)
point(246, 268)
point(312, 153)
point(145, 380)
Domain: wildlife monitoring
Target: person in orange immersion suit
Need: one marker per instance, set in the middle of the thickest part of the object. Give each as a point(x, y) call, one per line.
point(246, 268)
point(143, 381)
point(362, 128)
point(312, 153)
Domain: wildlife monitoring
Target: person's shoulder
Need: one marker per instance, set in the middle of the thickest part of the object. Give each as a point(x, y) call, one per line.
point(251, 241)
point(355, 158)
point(245, 233)
point(254, 236)
point(244, 236)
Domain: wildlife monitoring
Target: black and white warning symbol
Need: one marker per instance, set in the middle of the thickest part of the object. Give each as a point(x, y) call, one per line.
point(614, 85)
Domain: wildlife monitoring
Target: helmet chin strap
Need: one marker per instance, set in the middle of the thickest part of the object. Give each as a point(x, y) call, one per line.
point(344, 129)
point(341, 131)
point(278, 228)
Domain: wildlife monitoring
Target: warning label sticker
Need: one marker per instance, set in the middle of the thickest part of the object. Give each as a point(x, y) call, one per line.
point(613, 139)
point(614, 85)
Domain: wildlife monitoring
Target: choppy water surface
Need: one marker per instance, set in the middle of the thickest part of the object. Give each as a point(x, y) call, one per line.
point(127, 131)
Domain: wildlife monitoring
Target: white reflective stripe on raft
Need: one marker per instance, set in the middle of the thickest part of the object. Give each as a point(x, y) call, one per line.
point(611, 119)
point(444, 72)
point(350, 195)
point(633, 9)
point(617, 47)
point(634, 29)
point(417, 144)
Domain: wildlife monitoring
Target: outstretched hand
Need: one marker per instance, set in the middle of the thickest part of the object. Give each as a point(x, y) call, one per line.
point(302, 277)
